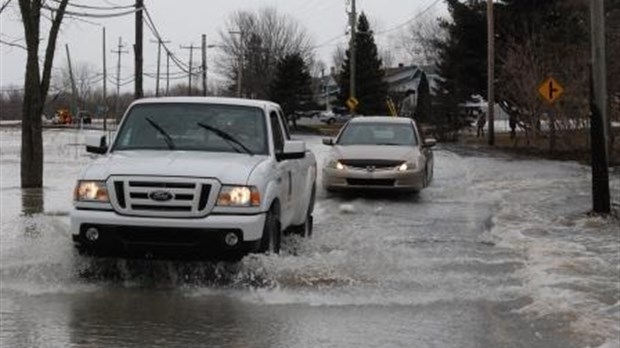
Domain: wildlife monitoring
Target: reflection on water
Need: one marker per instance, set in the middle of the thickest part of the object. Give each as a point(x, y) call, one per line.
point(32, 201)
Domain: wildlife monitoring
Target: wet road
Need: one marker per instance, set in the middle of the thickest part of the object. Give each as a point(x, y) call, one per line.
point(498, 252)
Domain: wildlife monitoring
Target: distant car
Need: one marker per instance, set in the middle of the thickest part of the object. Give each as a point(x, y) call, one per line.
point(84, 117)
point(333, 118)
point(379, 152)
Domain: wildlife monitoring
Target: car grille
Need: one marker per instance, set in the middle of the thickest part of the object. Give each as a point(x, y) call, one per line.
point(163, 196)
point(369, 163)
point(371, 182)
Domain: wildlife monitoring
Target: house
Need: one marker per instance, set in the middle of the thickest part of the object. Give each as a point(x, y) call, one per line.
point(403, 78)
point(325, 90)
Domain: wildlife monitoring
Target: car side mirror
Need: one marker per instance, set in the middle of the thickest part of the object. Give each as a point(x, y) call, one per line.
point(293, 149)
point(430, 142)
point(328, 141)
point(96, 144)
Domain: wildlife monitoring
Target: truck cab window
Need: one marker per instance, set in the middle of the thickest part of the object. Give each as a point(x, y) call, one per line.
point(278, 138)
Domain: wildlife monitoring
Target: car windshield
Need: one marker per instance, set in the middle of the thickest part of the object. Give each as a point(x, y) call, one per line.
point(193, 127)
point(399, 134)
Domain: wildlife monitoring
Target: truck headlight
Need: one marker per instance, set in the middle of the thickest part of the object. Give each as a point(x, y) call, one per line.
point(238, 196)
point(94, 191)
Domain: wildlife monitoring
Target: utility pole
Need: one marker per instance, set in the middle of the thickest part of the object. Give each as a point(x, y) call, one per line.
point(240, 72)
point(491, 72)
point(352, 44)
point(191, 55)
point(118, 75)
point(139, 92)
point(204, 65)
point(73, 89)
point(598, 106)
point(105, 88)
point(159, 43)
point(167, 72)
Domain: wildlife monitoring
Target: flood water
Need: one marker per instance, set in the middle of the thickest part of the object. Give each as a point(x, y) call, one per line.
point(497, 252)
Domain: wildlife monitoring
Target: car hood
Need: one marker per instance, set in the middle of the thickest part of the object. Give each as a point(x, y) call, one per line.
point(229, 167)
point(375, 152)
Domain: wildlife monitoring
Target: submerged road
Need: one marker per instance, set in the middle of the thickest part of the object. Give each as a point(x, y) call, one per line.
point(497, 252)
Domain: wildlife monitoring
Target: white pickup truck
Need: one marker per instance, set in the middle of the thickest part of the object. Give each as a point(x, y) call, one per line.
point(194, 176)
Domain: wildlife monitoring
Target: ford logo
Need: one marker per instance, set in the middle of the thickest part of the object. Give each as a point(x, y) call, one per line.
point(160, 196)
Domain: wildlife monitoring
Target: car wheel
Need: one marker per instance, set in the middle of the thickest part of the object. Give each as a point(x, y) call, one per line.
point(272, 236)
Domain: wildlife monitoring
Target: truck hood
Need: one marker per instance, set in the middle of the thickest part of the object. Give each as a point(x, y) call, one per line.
point(234, 168)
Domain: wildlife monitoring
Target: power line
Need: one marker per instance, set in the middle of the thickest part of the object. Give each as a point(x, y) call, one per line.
point(108, 8)
point(418, 15)
point(151, 25)
point(94, 15)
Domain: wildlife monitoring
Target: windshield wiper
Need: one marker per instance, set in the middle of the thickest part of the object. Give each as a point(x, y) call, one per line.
point(229, 138)
point(167, 137)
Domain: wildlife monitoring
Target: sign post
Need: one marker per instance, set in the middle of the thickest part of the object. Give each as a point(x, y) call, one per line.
point(551, 90)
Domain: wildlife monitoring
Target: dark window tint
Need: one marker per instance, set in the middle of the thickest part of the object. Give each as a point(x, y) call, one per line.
point(278, 138)
point(399, 134)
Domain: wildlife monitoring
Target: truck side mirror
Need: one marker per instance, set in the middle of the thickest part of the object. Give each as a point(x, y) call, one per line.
point(328, 141)
point(96, 144)
point(293, 149)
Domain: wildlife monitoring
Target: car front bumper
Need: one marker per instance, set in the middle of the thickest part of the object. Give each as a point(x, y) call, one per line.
point(342, 179)
point(165, 237)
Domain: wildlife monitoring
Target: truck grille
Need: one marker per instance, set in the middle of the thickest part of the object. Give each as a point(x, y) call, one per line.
point(163, 196)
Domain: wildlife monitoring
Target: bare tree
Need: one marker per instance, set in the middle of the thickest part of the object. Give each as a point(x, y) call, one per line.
point(37, 83)
point(11, 103)
point(338, 58)
point(253, 43)
point(523, 67)
point(387, 56)
point(85, 77)
point(420, 37)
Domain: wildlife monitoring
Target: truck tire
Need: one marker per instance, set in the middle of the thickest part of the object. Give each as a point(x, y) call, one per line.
point(272, 236)
point(306, 229)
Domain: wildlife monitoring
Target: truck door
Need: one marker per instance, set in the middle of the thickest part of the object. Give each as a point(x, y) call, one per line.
point(284, 175)
point(299, 176)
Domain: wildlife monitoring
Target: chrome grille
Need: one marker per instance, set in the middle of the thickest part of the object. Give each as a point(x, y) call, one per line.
point(370, 163)
point(163, 196)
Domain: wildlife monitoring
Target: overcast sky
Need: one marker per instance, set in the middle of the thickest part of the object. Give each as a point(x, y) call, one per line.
point(183, 21)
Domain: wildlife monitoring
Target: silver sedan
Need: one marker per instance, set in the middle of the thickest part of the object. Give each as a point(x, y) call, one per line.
point(379, 152)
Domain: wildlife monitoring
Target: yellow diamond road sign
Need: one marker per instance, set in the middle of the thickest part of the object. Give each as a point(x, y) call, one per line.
point(352, 103)
point(550, 90)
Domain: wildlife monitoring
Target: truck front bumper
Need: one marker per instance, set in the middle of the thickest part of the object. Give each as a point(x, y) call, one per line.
point(164, 237)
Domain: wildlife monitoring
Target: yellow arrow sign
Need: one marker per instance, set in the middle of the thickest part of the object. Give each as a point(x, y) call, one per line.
point(352, 103)
point(550, 90)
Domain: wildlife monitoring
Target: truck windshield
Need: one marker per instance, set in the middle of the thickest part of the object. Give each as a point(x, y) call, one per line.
point(183, 127)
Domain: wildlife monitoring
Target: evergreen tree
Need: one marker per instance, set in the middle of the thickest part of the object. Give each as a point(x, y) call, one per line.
point(462, 64)
point(423, 112)
point(371, 90)
point(291, 87)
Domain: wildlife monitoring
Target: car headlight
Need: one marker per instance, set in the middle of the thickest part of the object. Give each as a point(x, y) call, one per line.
point(93, 191)
point(238, 196)
point(335, 164)
point(406, 166)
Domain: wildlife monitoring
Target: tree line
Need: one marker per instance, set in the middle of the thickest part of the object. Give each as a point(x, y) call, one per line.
point(268, 55)
point(534, 40)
